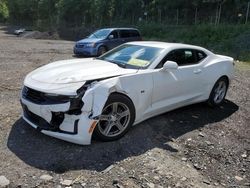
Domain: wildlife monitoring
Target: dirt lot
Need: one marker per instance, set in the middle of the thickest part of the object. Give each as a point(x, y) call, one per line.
point(195, 146)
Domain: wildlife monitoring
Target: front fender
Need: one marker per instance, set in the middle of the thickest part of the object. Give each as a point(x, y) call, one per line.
point(138, 87)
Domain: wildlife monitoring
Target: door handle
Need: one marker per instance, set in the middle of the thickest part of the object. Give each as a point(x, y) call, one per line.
point(197, 71)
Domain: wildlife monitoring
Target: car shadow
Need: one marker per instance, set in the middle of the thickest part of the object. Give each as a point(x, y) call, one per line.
point(47, 153)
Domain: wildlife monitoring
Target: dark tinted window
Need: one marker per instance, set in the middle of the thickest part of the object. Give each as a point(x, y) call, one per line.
point(125, 33)
point(115, 34)
point(183, 57)
point(134, 33)
point(200, 55)
point(129, 33)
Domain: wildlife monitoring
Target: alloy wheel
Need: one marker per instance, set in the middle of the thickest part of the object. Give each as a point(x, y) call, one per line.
point(114, 119)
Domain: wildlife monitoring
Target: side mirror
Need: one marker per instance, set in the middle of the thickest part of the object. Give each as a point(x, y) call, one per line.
point(110, 36)
point(169, 65)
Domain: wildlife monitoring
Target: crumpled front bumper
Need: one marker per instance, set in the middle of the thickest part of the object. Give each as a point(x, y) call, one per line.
point(54, 120)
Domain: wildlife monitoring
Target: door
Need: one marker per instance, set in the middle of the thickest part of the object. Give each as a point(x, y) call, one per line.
point(114, 41)
point(181, 86)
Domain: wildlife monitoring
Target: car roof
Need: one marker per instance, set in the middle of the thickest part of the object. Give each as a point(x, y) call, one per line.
point(120, 28)
point(167, 45)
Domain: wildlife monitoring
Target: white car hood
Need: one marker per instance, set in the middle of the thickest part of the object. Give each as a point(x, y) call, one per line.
point(76, 70)
point(71, 74)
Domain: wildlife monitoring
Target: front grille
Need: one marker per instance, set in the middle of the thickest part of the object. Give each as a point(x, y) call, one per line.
point(39, 97)
point(33, 95)
point(79, 45)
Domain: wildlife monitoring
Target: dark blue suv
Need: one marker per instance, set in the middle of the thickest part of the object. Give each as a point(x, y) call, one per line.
point(103, 40)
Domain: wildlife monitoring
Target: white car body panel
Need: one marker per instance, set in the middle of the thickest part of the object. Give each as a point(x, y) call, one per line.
point(152, 91)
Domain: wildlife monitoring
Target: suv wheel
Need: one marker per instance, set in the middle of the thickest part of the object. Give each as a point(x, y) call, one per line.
point(101, 50)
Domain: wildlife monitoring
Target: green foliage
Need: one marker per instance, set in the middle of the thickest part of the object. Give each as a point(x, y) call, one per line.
point(215, 24)
point(4, 11)
point(23, 11)
point(75, 13)
point(225, 39)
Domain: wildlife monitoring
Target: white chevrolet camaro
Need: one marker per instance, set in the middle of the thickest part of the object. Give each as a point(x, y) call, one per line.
point(74, 99)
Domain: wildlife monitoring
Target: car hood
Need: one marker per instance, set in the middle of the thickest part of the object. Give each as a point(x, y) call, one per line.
point(76, 70)
point(89, 40)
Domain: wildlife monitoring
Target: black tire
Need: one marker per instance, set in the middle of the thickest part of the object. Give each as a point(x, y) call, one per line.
point(101, 50)
point(122, 102)
point(215, 99)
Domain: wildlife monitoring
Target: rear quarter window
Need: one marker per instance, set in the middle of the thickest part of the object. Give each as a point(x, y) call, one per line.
point(134, 33)
point(200, 55)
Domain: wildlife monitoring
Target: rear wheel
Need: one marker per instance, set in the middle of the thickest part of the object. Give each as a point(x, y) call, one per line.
point(116, 119)
point(218, 92)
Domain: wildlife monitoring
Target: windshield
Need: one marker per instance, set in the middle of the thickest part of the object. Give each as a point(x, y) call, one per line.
point(103, 33)
point(132, 56)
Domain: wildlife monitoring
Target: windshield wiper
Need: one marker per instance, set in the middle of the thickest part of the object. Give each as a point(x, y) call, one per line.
point(122, 65)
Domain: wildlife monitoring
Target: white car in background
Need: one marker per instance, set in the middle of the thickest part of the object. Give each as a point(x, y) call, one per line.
point(105, 96)
point(19, 31)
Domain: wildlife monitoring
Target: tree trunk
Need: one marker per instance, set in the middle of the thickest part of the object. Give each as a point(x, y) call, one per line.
point(216, 15)
point(177, 16)
point(219, 13)
point(248, 5)
point(195, 16)
point(159, 15)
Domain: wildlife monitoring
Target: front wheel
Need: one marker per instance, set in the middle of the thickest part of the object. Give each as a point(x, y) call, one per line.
point(218, 92)
point(116, 119)
point(101, 50)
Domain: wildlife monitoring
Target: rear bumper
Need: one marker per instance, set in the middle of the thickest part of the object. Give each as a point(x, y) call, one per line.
point(54, 121)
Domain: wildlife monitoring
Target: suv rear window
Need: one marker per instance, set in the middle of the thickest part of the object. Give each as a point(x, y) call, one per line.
point(129, 33)
point(124, 33)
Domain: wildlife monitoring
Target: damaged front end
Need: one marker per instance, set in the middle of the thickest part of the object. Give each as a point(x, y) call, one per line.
point(59, 116)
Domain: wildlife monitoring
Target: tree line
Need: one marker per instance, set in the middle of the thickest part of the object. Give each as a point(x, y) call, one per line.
point(54, 14)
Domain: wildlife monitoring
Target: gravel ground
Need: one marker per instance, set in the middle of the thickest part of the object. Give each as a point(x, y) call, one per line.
point(195, 146)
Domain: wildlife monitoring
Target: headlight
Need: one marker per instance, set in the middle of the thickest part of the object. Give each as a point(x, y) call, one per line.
point(91, 45)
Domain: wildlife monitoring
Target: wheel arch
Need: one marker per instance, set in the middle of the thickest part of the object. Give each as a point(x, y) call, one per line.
point(227, 79)
point(120, 93)
point(223, 76)
point(215, 80)
point(211, 91)
point(96, 133)
point(102, 45)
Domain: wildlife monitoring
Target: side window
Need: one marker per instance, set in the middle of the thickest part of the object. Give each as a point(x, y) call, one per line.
point(124, 33)
point(189, 58)
point(115, 34)
point(134, 33)
point(180, 56)
point(183, 57)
